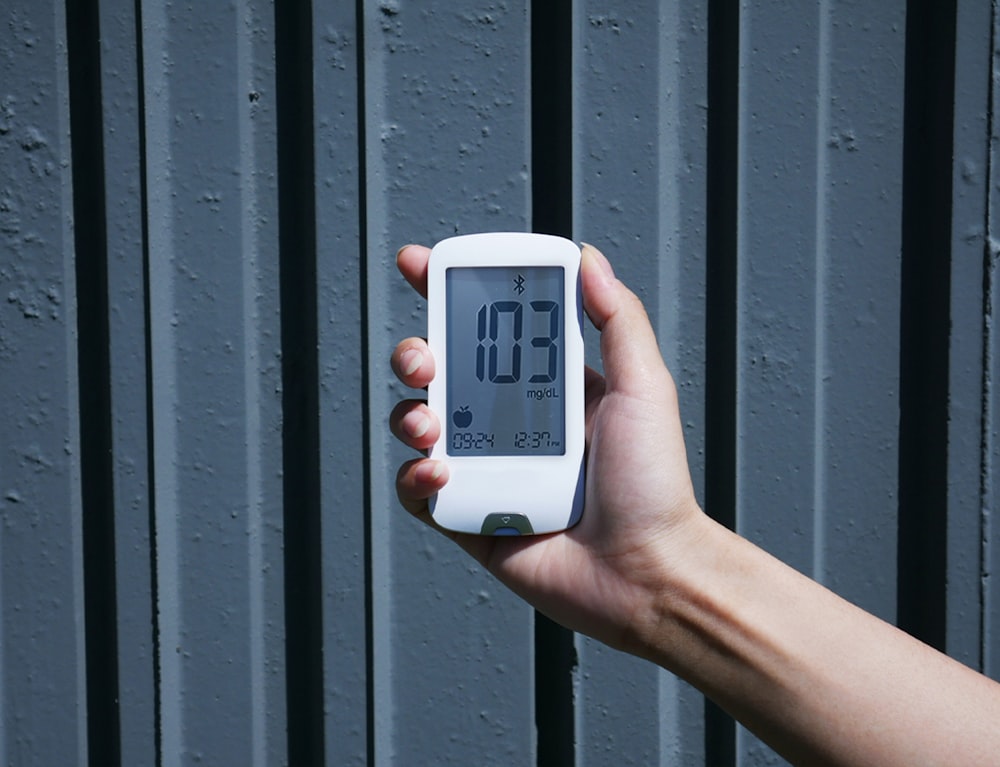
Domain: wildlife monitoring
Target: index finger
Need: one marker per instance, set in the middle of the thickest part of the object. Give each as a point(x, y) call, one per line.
point(412, 263)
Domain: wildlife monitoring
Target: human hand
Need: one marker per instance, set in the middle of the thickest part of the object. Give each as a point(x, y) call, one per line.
point(604, 576)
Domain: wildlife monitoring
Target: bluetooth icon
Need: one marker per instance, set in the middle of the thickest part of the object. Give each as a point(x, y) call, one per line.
point(519, 284)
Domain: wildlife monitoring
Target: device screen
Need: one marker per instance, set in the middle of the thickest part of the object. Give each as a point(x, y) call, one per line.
point(506, 361)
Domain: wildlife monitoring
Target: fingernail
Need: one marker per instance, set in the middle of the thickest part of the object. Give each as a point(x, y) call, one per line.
point(430, 471)
point(601, 260)
point(410, 361)
point(416, 424)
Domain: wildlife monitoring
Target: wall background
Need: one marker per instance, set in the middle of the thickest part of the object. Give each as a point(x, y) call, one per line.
point(201, 556)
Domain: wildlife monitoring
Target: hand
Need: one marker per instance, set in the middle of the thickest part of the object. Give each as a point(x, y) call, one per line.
point(603, 576)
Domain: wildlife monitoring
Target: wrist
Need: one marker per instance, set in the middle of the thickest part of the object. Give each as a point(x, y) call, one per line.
point(684, 558)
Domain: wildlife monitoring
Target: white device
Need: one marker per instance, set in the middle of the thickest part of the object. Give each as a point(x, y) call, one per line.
point(505, 328)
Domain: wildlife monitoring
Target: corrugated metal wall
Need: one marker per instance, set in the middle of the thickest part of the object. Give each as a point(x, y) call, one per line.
point(201, 555)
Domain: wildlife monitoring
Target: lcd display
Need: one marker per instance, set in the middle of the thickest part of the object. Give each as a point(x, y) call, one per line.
point(506, 361)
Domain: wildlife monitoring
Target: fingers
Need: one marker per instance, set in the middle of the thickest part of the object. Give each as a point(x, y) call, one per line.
point(418, 480)
point(412, 263)
point(412, 363)
point(414, 424)
point(632, 360)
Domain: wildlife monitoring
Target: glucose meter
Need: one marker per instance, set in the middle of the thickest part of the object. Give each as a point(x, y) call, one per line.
point(505, 329)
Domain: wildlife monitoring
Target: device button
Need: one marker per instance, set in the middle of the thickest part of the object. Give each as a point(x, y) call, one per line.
point(504, 523)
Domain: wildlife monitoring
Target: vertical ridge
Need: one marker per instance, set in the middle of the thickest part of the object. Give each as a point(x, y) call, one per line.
point(552, 213)
point(299, 375)
point(365, 380)
point(925, 321)
point(721, 296)
point(820, 323)
point(150, 439)
point(988, 438)
point(83, 41)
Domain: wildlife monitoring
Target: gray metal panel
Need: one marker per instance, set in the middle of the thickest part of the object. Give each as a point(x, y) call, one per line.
point(342, 360)
point(819, 238)
point(445, 149)
point(42, 663)
point(122, 119)
point(216, 380)
point(446, 91)
point(859, 202)
point(639, 194)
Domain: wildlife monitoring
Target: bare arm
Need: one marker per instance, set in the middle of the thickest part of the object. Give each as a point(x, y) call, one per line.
point(820, 680)
point(647, 572)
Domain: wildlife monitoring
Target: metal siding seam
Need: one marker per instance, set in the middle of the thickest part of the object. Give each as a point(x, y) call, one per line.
point(268, 710)
point(969, 335)
point(163, 366)
point(446, 114)
point(680, 213)
point(925, 386)
point(94, 379)
point(776, 283)
point(302, 524)
point(859, 386)
point(990, 554)
point(129, 455)
point(820, 291)
point(345, 476)
point(552, 107)
point(724, 150)
point(382, 748)
point(635, 122)
point(200, 401)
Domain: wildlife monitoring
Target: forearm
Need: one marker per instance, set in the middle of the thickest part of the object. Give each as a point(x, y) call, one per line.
point(819, 679)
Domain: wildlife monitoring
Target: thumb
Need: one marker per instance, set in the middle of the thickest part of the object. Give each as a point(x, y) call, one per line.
point(632, 361)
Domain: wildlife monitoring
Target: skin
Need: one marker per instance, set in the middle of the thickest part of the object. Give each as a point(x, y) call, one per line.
point(647, 572)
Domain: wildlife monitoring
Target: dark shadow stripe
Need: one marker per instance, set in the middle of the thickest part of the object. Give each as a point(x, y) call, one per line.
point(300, 393)
point(552, 213)
point(154, 579)
point(362, 106)
point(97, 488)
point(722, 163)
point(925, 318)
point(552, 117)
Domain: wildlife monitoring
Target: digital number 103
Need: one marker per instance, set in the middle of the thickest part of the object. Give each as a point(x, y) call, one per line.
point(498, 360)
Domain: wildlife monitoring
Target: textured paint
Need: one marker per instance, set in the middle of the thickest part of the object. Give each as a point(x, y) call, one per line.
point(216, 391)
point(447, 153)
point(421, 129)
point(638, 83)
point(42, 664)
point(819, 270)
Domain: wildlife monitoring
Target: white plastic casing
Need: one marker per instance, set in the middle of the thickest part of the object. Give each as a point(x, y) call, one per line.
point(547, 490)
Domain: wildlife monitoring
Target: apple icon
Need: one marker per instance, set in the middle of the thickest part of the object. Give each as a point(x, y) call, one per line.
point(462, 418)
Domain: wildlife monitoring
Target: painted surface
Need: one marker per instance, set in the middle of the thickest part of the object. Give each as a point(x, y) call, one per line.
point(201, 555)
